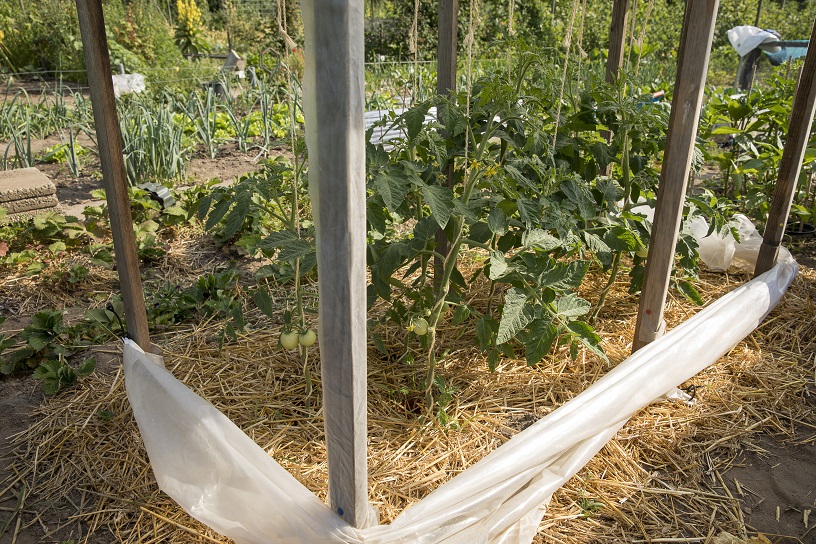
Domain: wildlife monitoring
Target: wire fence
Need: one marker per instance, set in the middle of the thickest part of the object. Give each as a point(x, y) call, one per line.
point(390, 83)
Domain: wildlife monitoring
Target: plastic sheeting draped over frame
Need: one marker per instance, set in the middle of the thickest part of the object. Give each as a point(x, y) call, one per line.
point(223, 479)
point(747, 38)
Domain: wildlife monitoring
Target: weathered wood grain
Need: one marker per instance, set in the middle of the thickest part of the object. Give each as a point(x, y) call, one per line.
point(109, 141)
point(804, 103)
point(692, 65)
point(447, 50)
point(334, 104)
point(617, 39)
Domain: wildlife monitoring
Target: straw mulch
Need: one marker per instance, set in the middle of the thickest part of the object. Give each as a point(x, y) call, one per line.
point(660, 477)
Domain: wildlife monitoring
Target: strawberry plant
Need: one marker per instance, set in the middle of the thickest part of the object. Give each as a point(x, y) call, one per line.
point(57, 375)
point(46, 338)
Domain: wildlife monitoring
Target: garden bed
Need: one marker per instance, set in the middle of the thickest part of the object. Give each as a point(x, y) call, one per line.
point(663, 476)
point(542, 243)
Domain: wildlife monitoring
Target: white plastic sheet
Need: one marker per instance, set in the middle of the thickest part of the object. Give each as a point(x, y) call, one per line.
point(747, 38)
point(384, 134)
point(128, 83)
point(222, 478)
point(720, 252)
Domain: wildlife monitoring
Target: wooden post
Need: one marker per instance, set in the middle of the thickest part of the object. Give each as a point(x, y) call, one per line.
point(804, 104)
point(109, 141)
point(692, 65)
point(447, 48)
point(614, 60)
point(617, 39)
point(446, 86)
point(335, 133)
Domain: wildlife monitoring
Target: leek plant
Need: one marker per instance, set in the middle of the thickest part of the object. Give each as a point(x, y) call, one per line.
point(18, 125)
point(152, 143)
point(202, 112)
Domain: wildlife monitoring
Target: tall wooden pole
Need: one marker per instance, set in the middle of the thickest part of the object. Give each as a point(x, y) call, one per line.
point(109, 141)
point(692, 65)
point(335, 133)
point(617, 39)
point(447, 47)
point(804, 104)
point(614, 59)
point(446, 86)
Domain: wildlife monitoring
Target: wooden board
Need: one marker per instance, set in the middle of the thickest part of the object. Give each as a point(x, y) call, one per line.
point(334, 103)
point(804, 103)
point(109, 141)
point(617, 39)
point(447, 50)
point(692, 65)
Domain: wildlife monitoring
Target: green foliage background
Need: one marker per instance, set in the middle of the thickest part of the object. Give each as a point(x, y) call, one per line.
point(43, 34)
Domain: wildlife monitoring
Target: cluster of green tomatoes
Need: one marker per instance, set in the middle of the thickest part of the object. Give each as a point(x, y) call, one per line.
point(291, 339)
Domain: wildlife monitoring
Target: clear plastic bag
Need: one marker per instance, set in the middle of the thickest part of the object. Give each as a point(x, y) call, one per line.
point(722, 251)
point(128, 83)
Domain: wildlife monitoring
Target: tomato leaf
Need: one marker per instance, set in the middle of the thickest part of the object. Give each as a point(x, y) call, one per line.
point(237, 214)
point(540, 239)
point(564, 276)
point(392, 187)
point(264, 302)
point(516, 314)
point(538, 340)
point(485, 332)
point(460, 314)
point(440, 199)
point(690, 292)
point(498, 265)
point(571, 305)
point(295, 250)
point(497, 221)
point(587, 336)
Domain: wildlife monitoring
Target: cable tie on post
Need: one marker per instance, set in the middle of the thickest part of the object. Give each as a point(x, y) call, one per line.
point(691, 390)
point(110, 308)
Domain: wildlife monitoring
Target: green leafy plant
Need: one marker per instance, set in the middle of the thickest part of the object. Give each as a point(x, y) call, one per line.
point(57, 375)
point(749, 131)
point(218, 295)
point(45, 338)
point(189, 28)
point(154, 144)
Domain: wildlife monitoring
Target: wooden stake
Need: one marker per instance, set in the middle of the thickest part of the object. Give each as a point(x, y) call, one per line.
point(446, 86)
point(617, 39)
point(447, 48)
point(692, 65)
point(335, 133)
point(798, 132)
point(614, 60)
point(109, 141)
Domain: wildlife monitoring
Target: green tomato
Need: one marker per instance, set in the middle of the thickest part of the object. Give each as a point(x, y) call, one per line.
point(308, 338)
point(642, 252)
point(289, 340)
point(420, 326)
